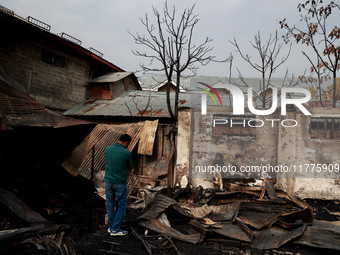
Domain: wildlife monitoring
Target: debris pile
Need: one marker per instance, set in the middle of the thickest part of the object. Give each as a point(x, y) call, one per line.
point(256, 217)
point(46, 236)
point(240, 218)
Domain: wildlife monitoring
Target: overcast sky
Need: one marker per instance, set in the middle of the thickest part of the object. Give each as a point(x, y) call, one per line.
point(104, 25)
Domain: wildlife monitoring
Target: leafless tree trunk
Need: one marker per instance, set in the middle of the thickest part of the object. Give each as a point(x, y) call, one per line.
point(170, 43)
point(268, 54)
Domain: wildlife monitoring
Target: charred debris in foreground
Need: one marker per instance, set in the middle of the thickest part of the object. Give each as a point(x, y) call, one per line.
point(253, 218)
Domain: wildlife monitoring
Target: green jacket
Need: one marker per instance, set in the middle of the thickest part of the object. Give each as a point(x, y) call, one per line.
point(118, 160)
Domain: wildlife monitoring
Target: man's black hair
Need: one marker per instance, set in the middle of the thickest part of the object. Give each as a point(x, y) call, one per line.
point(125, 138)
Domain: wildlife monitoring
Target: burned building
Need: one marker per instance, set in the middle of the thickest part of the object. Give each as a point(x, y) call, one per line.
point(53, 68)
point(103, 101)
point(41, 75)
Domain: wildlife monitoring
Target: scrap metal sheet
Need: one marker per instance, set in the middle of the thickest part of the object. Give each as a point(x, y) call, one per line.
point(321, 234)
point(256, 219)
point(159, 204)
point(157, 226)
point(274, 238)
point(233, 231)
point(80, 160)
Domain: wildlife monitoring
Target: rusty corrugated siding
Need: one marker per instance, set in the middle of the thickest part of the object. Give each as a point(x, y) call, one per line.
point(80, 161)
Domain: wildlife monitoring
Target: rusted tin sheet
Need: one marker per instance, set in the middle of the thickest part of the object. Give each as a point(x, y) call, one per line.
point(232, 231)
point(197, 212)
point(18, 109)
point(80, 160)
point(321, 234)
point(159, 205)
point(256, 219)
point(274, 238)
point(157, 226)
point(147, 138)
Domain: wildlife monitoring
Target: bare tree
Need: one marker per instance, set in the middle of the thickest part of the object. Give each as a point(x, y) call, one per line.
point(170, 44)
point(143, 110)
point(320, 70)
point(268, 53)
point(318, 34)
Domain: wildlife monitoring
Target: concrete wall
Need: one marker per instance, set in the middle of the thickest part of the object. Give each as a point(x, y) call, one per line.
point(297, 149)
point(55, 87)
point(237, 151)
point(275, 146)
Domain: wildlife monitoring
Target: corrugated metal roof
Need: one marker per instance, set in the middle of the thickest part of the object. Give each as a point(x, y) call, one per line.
point(80, 161)
point(112, 77)
point(136, 104)
point(21, 110)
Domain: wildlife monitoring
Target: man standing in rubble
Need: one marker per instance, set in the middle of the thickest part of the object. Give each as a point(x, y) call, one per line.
point(118, 160)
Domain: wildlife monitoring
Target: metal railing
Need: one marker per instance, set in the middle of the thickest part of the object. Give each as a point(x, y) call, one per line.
point(38, 23)
point(47, 27)
point(6, 10)
point(98, 53)
point(70, 38)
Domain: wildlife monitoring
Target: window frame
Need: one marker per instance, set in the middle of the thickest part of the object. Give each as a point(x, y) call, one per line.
point(327, 128)
point(53, 58)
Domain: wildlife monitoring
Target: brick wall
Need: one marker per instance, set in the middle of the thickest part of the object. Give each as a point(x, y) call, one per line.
point(55, 87)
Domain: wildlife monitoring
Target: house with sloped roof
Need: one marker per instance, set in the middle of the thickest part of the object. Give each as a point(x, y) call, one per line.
point(54, 68)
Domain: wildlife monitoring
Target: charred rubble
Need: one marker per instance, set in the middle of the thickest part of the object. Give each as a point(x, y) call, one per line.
point(238, 220)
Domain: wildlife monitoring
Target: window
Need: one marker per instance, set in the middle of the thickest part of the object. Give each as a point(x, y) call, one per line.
point(234, 125)
point(325, 128)
point(53, 59)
